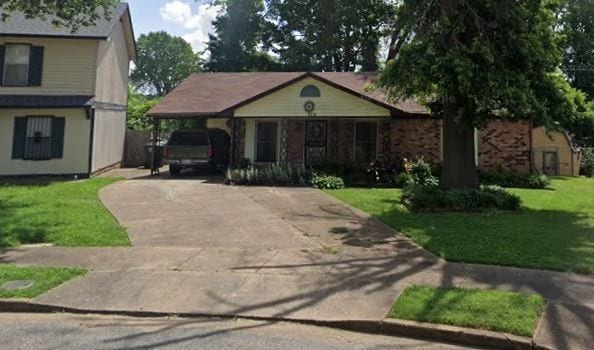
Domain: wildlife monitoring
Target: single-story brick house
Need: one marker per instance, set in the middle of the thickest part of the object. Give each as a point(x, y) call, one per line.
point(303, 117)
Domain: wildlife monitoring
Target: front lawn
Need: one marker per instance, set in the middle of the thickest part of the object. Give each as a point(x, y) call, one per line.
point(508, 312)
point(44, 278)
point(555, 230)
point(67, 213)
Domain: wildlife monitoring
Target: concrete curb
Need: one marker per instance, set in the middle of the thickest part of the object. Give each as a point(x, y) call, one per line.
point(410, 329)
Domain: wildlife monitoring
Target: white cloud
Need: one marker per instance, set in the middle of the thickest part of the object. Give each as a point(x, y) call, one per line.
point(199, 23)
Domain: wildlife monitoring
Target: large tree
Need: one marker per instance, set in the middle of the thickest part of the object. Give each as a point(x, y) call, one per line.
point(72, 13)
point(576, 23)
point(327, 35)
point(163, 61)
point(476, 60)
point(238, 33)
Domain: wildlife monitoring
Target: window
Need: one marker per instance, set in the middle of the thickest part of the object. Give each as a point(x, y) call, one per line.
point(365, 141)
point(266, 136)
point(310, 91)
point(38, 138)
point(16, 65)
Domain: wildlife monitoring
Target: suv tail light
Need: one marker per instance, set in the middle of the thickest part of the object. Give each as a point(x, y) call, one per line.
point(209, 150)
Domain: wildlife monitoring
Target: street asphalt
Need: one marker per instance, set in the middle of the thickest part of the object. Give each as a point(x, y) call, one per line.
point(63, 331)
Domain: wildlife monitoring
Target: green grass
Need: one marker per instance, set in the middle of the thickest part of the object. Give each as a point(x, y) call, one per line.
point(45, 279)
point(66, 213)
point(507, 312)
point(555, 230)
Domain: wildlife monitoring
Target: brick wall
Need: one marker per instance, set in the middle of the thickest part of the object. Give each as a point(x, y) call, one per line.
point(505, 145)
point(413, 138)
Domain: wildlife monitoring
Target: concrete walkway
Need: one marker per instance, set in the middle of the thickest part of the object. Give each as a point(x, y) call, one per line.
point(201, 247)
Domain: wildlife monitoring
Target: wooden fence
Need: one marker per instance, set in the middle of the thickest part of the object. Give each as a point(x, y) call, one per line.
point(134, 152)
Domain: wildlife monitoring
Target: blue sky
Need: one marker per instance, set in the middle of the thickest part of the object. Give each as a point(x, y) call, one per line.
point(190, 19)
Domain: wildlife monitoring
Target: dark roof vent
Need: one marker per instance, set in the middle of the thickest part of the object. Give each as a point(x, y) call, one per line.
point(310, 91)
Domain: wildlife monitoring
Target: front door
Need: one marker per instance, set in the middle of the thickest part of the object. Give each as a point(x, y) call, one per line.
point(550, 163)
point(315, 141)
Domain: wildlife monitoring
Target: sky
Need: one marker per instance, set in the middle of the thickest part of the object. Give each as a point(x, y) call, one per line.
point(190, 19)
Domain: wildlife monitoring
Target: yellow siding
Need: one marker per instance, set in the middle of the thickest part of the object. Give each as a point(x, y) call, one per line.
point(76, 144)
point(554, 142)
point(332, 103)
point(68, 67)
point(112, 68)
point(218, 123)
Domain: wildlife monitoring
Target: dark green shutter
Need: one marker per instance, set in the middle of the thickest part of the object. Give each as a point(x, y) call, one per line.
point(18, 138)
point(58, 126)
point(1, 64)
point(36, 66)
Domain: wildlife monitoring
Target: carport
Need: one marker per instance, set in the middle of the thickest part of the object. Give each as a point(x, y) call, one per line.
point(158, 132)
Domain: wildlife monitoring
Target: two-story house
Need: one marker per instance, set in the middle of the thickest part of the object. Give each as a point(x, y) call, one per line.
point(63, 95)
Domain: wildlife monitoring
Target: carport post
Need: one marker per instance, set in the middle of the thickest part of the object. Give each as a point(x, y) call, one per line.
point(154, 141)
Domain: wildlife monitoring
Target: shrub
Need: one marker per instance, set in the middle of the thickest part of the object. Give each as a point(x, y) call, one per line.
point(327, 182)
point(512, 179)
point(431, 198)
point(402, 179)
point(421, 172)
point(382, 172)
point(270, 175)
point(587, 162)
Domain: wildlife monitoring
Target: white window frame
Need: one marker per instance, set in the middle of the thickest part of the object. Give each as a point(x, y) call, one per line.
point(5, 64)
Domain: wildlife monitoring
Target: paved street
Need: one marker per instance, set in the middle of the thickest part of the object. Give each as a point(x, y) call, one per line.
point(61, 331)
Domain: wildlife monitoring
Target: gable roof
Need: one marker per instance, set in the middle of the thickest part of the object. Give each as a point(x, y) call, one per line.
point(219, 94)
point(19, 25)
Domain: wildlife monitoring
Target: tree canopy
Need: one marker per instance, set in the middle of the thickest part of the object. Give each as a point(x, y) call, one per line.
point(72, 13)
point(238, 32)
point(327, 35)
point(163, 61)
point(477, 61)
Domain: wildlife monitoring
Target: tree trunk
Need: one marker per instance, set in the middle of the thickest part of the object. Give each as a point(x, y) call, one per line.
point(459, 169)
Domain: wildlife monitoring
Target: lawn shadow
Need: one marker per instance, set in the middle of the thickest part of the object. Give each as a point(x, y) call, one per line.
point(15, 227)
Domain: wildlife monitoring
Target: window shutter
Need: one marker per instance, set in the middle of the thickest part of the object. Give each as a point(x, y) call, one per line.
point(18, 138)
point(36, 66)
point(58, 137)
point(1, 64)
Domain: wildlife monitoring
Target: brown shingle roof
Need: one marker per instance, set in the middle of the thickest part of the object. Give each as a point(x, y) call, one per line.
point(216, 94)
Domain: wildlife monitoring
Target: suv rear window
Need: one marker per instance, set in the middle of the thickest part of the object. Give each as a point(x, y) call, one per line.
point(189, 138)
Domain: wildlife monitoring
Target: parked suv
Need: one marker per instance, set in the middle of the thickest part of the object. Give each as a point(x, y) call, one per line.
point(197, 149)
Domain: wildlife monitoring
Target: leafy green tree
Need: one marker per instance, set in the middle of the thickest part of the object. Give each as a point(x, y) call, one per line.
point(328, 35)
point(73, 13)
point(576, 23)
point(163, 61)
point(138, 107)
point(476, 61)
point(234, 46)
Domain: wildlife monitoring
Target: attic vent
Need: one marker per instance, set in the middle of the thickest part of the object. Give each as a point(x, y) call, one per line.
point(310, 91)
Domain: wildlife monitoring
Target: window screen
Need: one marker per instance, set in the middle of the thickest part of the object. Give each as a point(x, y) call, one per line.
point(16, 65)
point(38, 138)
point(366, 141)
point(266, 136)
point(310, 91)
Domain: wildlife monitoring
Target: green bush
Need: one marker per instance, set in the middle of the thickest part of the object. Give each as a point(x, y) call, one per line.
point(587, 168)
point(327, 182)
point(421, 172)
point(270, 175)
point(512, 179)
point(402, 179)
point(433, 199)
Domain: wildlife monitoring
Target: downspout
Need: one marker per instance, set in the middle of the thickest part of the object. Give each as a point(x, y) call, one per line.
point(531, 126)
